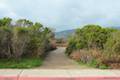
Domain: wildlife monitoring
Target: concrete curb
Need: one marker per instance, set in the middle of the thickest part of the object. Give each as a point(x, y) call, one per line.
point(40, 74)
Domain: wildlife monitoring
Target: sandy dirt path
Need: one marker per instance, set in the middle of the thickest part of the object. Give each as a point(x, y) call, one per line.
point(58, 60)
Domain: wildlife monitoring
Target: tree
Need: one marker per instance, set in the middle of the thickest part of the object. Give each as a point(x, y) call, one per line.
point(24, 23)
point(6, 21)
point(90, 37)
point(19, 41)
point(5, 42)
point(26, 39)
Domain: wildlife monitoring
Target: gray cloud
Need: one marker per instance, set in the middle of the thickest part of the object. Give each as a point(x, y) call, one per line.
point(64, 14)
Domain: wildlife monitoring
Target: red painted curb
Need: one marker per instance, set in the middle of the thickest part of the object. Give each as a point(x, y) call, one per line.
point(58, 78)
point(8, 78)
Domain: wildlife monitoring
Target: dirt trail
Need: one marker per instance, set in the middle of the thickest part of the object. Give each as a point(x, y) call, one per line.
point(58, 60)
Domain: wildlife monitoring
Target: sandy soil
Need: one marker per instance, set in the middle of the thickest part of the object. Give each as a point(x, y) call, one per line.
point(58, 60)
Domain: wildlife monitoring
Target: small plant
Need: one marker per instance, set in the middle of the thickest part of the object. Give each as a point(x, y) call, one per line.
point(103, 66)
point(23, 63)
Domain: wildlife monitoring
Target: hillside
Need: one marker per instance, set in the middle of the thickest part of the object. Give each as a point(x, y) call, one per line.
point(64, 34)
point(117, 27)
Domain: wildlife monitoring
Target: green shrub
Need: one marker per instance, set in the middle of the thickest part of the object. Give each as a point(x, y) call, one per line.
point(5, 42)
point(90, 36)
point(19, 41)
point(104, 41)
point(71, 46)
point(112, 49)
point(28, 40)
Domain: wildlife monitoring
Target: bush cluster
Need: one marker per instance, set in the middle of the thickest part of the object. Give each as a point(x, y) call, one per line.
point(23, 39)
point(93, 43)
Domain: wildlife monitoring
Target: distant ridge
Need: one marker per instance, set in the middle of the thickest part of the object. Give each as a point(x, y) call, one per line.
point(65, 34)
point(116, 27)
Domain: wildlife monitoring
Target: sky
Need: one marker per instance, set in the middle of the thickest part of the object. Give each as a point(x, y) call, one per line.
point(63, 14)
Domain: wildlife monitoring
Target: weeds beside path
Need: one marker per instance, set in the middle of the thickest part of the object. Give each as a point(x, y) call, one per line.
point(25, 63)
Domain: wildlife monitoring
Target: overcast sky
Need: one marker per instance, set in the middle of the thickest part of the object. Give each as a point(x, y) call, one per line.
point(64, 14)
